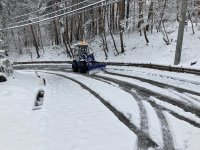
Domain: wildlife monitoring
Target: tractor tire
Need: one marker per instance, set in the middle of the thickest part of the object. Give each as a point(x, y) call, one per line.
point(74, 66)
point(83, 67)
point(3, 79)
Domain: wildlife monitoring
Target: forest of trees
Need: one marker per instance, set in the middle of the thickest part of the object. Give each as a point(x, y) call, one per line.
point(39, 23)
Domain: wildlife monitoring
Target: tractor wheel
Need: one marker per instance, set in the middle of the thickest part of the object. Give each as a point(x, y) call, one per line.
point(83, 67)
point(74, 66)
point(3, 79)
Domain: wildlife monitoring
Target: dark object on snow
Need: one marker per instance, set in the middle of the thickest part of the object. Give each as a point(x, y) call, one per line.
point(193, 63)
point(39, 98)
point(44, 81)
point(84, 61)
point(3, 79)
point(186, 23)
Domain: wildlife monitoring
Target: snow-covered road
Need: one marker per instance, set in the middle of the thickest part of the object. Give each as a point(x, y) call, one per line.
point(121, 109)
point(70, 118)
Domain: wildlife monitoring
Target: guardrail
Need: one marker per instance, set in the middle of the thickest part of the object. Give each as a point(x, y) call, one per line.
point(41, 62)
point(158, 67)
point(153, 66)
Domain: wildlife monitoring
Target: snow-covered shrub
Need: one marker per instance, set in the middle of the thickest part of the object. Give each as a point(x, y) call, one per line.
point(6, 66)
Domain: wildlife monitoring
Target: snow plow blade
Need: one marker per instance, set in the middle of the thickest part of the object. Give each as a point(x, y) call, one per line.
point(95, 68)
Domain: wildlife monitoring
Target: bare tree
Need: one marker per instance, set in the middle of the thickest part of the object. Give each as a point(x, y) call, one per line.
point(121, 6)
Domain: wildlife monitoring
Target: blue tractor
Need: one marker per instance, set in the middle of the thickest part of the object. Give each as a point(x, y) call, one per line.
point(84, 62)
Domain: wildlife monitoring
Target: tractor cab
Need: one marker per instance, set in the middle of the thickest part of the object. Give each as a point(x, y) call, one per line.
point(80, 50)
point(83, 60)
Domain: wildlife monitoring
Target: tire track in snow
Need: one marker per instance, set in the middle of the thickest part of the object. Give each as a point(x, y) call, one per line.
point(184, 97)
point(194, 97)
point(143, 114)
point(147, 92)
point(192, 122)
point(159, 84)
point(143, 137)
point(181, 117)
point(160, 75)
point(144, 121)
point(165, 86)
point(142, 143)
point(166, 133)
point(138, 98)
point(165, 128)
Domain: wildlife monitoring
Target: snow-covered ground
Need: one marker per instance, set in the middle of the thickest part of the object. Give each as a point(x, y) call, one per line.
point(126, 104)
point(50, 53)
point(70, 118)
point(136, 49)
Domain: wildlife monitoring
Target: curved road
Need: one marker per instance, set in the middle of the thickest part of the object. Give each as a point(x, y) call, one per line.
point(148, 113)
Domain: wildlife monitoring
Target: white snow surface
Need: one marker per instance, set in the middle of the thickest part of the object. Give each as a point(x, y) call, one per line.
point(72, 118)
point(50, 53)
point(120, 99)
point(153, 122)
point(185, 136)
point(66, 121)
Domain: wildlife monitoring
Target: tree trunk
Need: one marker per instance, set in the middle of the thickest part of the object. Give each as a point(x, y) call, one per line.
point(150, 16)
point(127, 11)
point(115, 46)
point(35, 41)
point(180, 33)
point(57, 42)
point(121, 18)
point(190, 18)
point(67, 49)
point(145, 35)
point(141, 20)
point(67, 37)
point(104, 49)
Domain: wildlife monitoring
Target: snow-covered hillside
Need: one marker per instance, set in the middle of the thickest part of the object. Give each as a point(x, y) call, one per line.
point(136, 49)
